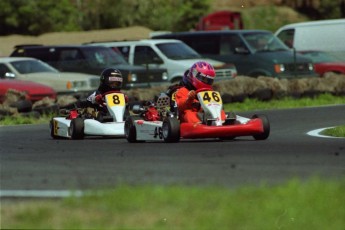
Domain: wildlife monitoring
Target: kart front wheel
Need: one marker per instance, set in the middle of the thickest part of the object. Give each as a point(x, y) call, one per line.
point(77, 129)
point(130, 130)
point(171, 130)
point(266, 125)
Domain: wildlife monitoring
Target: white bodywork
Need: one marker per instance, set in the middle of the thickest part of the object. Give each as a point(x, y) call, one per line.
point(115, 103)
point(149, 130)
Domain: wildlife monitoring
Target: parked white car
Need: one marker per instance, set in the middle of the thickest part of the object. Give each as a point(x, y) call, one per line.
point(31, 69)
point(173, 55)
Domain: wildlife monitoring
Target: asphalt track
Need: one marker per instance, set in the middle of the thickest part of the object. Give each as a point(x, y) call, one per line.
point(32, 161)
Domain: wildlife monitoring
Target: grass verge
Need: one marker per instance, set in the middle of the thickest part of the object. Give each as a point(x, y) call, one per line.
point(335, 132)
point(314, 204)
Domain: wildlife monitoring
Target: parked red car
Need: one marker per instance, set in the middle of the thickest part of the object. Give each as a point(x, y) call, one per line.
point(325, 63)
point(35, 91)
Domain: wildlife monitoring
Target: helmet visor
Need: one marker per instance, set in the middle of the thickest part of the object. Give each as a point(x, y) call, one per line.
point(115, 82)
point(204, 78)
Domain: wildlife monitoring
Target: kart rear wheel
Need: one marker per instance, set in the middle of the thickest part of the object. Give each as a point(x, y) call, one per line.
point(171, 130)
point(77, 129)
point(266, 126)
point(130, 130)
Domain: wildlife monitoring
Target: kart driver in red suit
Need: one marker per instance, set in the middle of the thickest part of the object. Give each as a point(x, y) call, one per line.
point(200, 76)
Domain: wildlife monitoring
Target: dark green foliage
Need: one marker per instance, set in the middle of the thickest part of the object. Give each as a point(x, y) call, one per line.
point(34, 17)
point(37, 16)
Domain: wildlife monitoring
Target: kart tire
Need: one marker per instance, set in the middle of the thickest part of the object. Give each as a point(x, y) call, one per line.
point(126, 114)
point(130, 130)
point(77, 129)
point(171, 130)
point(266, 126)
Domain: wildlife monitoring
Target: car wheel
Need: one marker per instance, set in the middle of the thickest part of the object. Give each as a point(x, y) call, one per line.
point(77, 128)
point(130, 130)
point(171, 130)
point(266, 126)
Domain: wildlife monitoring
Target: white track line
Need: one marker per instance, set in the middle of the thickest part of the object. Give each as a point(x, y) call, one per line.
point(316, 133)
point(40, 193)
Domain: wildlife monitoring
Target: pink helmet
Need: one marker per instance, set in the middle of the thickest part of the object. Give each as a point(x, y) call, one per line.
point(201, 75)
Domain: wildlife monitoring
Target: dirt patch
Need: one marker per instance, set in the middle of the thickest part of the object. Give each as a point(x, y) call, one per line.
point(131, 33)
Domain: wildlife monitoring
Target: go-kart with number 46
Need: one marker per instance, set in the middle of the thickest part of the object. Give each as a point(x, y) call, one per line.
point(82, 122)
point(155, 122)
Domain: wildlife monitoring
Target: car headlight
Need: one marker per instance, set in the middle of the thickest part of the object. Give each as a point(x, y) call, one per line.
point(79, 84)
point(165, 76)
point(311, 66)
point(279, 68)
point(75, 84)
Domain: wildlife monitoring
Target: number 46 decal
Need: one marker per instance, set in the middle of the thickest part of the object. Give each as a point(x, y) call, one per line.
point(211, 96)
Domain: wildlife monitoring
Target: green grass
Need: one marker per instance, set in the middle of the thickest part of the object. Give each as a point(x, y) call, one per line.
point(21, 120)
point(335, 132)
point(287, 102)
point(315, 204)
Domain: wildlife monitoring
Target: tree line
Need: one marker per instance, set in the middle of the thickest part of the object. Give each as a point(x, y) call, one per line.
point(35, 17)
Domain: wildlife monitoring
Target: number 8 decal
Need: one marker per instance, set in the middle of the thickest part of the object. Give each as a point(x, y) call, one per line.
point(115, 99)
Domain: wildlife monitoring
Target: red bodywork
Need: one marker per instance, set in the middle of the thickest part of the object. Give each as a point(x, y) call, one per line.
point(188, 130)
point(152, 114)
point(35, 91)
point(326, 67)
point(73, 114)
point(221, 20)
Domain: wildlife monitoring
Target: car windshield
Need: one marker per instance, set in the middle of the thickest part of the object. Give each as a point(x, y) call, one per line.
point(103, 56)
point(264, 42)
point(178, 51)
point(319, 57)
point(32, 66)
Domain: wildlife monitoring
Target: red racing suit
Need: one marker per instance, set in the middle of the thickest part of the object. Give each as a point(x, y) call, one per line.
point(187, 112)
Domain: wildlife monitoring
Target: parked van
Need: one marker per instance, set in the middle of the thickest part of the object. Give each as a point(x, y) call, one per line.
point(173, 55)
point(254, 52)
point(93, 60)
point(322, 35)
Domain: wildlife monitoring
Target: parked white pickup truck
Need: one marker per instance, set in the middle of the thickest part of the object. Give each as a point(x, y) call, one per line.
point(173, 55)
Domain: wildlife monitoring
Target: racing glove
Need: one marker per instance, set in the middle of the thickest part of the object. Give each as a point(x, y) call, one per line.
point(99, 99)
point(191, 95)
